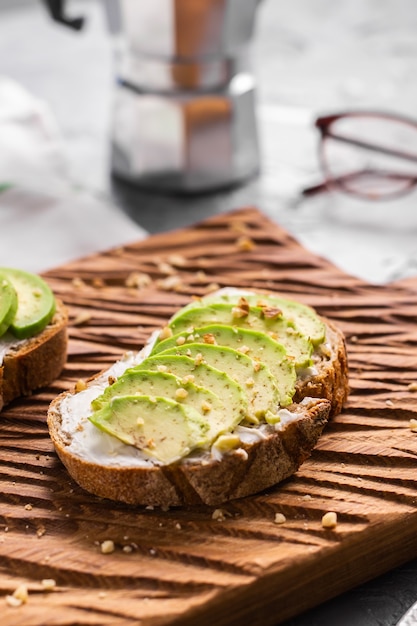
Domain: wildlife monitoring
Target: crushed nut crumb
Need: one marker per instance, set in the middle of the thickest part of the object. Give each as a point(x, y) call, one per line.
point(210, 339)
point(28, 507)
point(177, 260)
point(48, 584)
point(20, 596)
point(413, 425)
point(329, 520)
point(389, 403)
point(279, 518)
point(78, 283)
point(246, 244)
point(206, 406)
point(165, 333)
point(107, 547)
point(171, 283)
point(82, 318)
point(412, 387)
point(181, 393)
point(219, 515)
point(198, 359)
point(138, 280)
point(180, 341)
point(80, 385)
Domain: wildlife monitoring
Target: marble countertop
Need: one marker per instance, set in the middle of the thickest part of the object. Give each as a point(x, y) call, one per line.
point(309, 57)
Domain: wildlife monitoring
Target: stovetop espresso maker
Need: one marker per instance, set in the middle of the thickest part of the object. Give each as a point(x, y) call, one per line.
point(184, 96)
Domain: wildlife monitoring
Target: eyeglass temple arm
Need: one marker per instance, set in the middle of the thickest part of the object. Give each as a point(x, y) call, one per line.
point(324, 186)
point(369, 146)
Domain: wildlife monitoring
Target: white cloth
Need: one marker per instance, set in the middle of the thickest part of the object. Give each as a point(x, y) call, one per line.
point(44, 219)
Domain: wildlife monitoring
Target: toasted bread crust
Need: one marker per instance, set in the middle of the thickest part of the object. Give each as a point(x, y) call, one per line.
point(237, 474)
point(37, 361)
point(332, 378)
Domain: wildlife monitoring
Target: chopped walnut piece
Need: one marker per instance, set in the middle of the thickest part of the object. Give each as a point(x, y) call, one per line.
point(246, 244)
point(279, 518)
point(198, 359)
point(48, 584)
point(209, 338)
point(271, 312)
point(177, 260)
point(107, 547)
point(80, 385)
point(165, 333)
point(206, 406)
point(220, 515)
point(329, 520)
point(111, 380)
point(181, 393)
point(165, 268)
point(244, 349)
point(180, 341)
point(171, 283)
point(82, 318)
point(20, 596)
point(78, 283)
point(190, 378)
point(138, 280)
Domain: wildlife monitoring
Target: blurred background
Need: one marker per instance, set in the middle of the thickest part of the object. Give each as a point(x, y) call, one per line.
point(59, 199)
point(307, 57)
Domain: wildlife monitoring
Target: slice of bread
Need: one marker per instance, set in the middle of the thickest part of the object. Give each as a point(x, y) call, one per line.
point(266, 454)
point(29, 364)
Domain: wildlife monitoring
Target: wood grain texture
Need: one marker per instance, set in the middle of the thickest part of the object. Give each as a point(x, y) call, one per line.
point(181, 566)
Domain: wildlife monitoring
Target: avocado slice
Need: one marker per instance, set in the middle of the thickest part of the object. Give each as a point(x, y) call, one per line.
point(255, 344)
point(254, 377)
point(304, 317)
point(8, 303)
point(154, 383)
point(280, 329)
point(35, 302)
point(164, 429)
point(203, 375)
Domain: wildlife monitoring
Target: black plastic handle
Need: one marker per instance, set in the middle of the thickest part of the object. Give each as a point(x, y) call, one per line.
point(57, 10)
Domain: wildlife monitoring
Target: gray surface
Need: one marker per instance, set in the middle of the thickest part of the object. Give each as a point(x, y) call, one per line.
point(310, 56)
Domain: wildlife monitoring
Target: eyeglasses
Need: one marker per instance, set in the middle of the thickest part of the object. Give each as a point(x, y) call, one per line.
point(368, 155)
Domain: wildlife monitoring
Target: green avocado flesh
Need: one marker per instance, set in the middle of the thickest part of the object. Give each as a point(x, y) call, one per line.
point(8, 303)
point(35, 303)
point(280, 329)
point(303, 317)
point(220, 362)
point(162, 428)
point(254, 378)
point(154, 383)
point(254, 344)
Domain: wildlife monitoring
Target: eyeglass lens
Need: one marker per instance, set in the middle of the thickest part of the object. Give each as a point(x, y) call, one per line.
point(370, 155)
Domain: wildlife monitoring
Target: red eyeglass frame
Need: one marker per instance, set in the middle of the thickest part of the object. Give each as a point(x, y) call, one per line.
point(324, 123)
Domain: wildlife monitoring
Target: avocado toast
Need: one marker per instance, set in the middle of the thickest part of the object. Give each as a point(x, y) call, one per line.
point(227, 400)
point(33, 334)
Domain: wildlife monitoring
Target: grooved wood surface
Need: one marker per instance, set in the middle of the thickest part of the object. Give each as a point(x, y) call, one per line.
point(181, 566)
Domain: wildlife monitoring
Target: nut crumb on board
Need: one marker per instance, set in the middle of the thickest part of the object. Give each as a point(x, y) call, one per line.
point(279, 518)
point(107, 546)
point(412, 387)
point(82, 318)
point(413, 425)
point(329, 520)
point(48, 584)
point(20, 596)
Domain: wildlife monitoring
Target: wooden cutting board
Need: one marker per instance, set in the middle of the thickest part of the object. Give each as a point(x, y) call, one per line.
point(184, 566)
